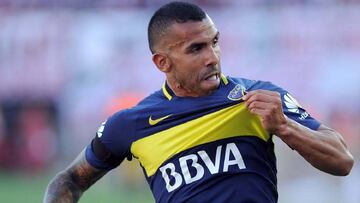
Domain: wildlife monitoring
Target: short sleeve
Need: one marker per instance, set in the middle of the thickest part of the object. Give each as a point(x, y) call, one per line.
point(113, 136)
point(292, 109)
point(296, 112)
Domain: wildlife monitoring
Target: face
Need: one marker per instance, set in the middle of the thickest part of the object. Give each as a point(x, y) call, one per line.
point(194, 56)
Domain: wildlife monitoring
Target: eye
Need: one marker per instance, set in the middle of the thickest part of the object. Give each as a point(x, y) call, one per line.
point(196, 48)
point(215, 42)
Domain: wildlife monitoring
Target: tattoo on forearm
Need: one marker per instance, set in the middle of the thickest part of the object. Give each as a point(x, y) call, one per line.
point(85, 175)
point(69, 185)
point(63, 189)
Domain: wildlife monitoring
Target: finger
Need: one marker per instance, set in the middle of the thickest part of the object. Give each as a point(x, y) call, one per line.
point(259, 112)
point(259, 105)
point(267, 92)
point(263, 98)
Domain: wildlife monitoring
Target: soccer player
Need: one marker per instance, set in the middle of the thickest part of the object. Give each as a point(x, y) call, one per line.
point(204, 136)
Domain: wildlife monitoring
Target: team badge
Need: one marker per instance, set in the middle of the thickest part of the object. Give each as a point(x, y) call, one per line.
point(237, 93)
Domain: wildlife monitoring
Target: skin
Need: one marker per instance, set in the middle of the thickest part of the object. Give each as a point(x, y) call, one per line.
point(68, 185)
point(324, 148)
point(188, 54)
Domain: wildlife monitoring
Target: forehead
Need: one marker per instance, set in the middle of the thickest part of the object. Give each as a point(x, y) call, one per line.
point(184, 33)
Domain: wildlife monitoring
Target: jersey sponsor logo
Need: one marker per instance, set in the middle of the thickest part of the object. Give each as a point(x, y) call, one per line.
point(156, 121)
point(293, 106)
point(291, 103)
point(101, 129)
point(237, 93)
point(178, 177)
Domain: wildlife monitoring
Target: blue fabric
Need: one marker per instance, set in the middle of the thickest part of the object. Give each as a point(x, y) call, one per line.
point(255, 183)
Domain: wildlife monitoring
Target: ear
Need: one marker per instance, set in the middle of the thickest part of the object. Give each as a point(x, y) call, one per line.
point(162, 62)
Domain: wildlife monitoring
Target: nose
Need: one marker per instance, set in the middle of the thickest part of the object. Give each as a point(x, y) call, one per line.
point(212, 56)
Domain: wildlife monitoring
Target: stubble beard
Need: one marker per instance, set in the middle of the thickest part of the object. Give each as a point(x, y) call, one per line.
point(188, 83)
point(192, 83)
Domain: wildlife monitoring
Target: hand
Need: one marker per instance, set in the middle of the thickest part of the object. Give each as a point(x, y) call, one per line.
point(324, 148)
point(267, 104)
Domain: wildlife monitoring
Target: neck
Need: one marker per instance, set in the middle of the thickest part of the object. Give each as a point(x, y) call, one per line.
point(179, 90)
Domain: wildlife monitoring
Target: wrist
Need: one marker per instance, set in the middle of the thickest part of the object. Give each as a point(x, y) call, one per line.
point(284, 128)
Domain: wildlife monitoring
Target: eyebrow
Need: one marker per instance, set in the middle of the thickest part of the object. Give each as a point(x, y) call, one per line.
point(201, 44)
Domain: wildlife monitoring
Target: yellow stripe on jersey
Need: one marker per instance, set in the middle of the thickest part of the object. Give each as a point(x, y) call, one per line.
point(224, 79)
point(152, 151)
point(166, 93)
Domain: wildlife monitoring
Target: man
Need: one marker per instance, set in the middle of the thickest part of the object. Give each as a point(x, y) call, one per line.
point(203, 137)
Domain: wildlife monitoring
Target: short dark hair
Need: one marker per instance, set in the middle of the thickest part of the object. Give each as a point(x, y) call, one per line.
point(179, 12)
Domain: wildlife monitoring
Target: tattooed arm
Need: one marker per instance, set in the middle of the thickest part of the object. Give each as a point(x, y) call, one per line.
point(68, 185)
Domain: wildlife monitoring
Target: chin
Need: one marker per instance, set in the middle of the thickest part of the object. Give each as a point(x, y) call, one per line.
point(208, 89)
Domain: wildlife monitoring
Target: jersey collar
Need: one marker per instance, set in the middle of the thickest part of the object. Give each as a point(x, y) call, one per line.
point(168, 93)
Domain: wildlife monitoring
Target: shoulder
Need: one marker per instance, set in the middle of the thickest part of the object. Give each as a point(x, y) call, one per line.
point(151, 100)
point(130, 114)
point(250, 84)
point(117, 128)
point(120, 119)
point(291, 106)
point(124, 121)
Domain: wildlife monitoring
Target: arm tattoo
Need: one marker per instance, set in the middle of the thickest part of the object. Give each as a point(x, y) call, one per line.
point(68, 185)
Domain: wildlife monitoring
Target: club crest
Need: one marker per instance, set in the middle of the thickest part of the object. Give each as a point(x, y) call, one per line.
point(237, 93)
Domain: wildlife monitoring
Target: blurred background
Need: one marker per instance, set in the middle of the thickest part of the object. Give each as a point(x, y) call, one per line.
point(65, 66)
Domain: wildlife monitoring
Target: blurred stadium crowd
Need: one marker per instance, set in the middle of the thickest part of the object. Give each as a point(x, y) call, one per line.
point(151, 3)
point(67, 65)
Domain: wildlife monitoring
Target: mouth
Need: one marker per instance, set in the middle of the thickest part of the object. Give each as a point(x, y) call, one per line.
point(212, 77)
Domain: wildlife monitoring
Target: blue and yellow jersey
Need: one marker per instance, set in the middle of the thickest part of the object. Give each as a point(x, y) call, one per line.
point(203, 149)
